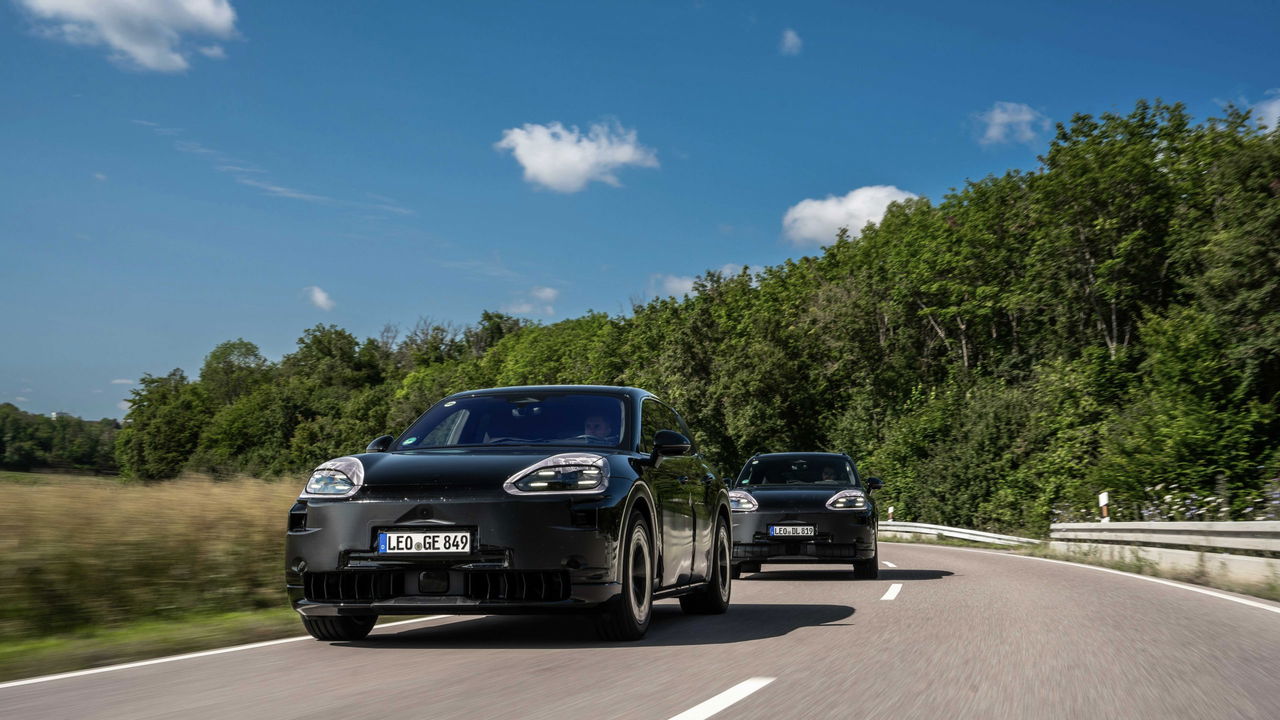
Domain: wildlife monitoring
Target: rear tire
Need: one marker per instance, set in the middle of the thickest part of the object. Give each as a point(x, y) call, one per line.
point(341, 628)
point(868, 569)
point(627, 616)
point(713, 598)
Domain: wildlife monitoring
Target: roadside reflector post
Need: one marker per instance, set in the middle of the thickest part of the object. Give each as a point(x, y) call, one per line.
point(1103, 500)
point(890, 513)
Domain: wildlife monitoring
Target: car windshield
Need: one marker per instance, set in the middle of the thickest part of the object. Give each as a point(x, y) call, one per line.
point(792, 471)
point(519, 419)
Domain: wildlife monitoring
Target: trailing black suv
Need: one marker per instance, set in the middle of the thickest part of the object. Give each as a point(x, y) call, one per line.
point(545, 499)
point(804, 508)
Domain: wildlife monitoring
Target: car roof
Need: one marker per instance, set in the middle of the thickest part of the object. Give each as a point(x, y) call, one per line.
point(798, 455)
point(599, 389)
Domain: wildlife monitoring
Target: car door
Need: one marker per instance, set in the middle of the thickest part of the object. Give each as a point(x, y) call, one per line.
point(704, 492)
point(670, 481)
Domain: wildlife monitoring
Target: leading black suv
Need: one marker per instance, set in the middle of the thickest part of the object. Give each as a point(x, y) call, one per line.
point(539, 499)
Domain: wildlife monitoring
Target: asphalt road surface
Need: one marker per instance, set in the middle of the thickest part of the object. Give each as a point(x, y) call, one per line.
point(944, 633)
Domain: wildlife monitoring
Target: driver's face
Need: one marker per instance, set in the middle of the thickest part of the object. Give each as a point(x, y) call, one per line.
point(597, 426)
point(828, 474)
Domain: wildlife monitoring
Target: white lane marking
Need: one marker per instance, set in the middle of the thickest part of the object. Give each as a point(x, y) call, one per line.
point(888, 564)
point(723, 700)
point(189, 656)
point(892, 592)
point(1162, 581)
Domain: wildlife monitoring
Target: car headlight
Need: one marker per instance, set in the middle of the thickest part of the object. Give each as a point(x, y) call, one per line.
point(741, 501)
point(560, 474)
point(340, 477)
point(329, 482)
point(848, 500)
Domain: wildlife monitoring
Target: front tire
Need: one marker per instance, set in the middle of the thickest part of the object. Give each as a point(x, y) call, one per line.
point(713, 598)
point(343, 628)
point(627, 616)
point(868, 569)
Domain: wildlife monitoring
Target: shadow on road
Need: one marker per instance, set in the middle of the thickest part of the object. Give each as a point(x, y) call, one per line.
point(670, 627)
point(830, 575)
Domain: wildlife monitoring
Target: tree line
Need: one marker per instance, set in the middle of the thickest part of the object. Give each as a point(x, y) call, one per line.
point(1108, 321)
point(64, 442)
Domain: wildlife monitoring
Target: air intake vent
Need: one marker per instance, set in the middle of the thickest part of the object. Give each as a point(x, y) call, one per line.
point(518, 585)
point(354, 586)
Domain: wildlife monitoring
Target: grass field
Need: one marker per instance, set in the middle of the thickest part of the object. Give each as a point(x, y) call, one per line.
point(85, 553)
point(100, 571)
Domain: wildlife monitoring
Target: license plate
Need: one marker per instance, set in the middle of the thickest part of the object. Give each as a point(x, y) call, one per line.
point(424, 542)
point(790, 531)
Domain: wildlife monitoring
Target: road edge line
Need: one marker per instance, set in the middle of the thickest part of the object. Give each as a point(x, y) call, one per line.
point(186, 656)
point(1148, 578)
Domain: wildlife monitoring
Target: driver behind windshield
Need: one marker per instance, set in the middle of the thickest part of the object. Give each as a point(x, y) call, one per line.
point(597, 426)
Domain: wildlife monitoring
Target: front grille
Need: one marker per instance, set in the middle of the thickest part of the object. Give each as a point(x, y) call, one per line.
point(518, 585)
point(778, 549)
point(353, 586)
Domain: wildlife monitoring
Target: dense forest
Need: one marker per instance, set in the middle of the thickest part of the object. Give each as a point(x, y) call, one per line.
point(1108, 321)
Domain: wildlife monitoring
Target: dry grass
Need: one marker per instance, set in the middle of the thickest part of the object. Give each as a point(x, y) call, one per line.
point(82, 552)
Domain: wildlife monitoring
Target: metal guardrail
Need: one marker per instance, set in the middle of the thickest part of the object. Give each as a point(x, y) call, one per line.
point(1249, 535)
point(954, 533)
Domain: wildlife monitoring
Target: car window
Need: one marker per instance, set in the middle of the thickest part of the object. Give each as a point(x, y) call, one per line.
point(655, 416)
point(817, 471)
point(519, 419)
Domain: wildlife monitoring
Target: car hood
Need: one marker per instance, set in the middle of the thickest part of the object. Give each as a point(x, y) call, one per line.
point(457, 467)
point(788, 498)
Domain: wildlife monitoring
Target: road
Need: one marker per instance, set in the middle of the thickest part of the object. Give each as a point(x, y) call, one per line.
point(947, 633)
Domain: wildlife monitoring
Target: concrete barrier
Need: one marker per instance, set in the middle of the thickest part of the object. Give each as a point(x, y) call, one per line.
point(1186, 548)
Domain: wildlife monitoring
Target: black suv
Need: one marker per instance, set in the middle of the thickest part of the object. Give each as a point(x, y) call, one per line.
point(540, 499)
point(804, 508)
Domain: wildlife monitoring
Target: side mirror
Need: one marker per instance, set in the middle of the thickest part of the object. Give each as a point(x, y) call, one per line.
point(669, 443)
point(380, 444)
point(874, 483)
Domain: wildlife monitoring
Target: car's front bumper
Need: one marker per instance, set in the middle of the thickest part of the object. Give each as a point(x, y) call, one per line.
point(554, 554)
point(839, 537)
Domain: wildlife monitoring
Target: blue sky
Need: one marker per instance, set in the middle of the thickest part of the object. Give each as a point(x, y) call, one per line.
point(178, 173)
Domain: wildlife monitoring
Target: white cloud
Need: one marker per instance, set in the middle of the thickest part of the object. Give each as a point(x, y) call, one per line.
point(545, 294)
point(519, 308)
point(214, 52)
point(143, 34)
point(733, 269)
point(816, 221)
point(538, 301)
point(1267, 112)
point(662, 285)
point(319, 298)
point(791, 44)
point(21, 399)
point(122, 381)
point(100, 177)
point(1012, 122)
point(123, 405)
point(281, 191)
point(565, 160)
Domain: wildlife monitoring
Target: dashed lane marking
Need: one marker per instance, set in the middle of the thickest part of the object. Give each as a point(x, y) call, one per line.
point(889, 564)
point(189, 656)
point(710, 707)
point(892, 592)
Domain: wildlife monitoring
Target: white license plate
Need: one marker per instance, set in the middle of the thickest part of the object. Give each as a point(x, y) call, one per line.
point(790, 531)
point(424, 542)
